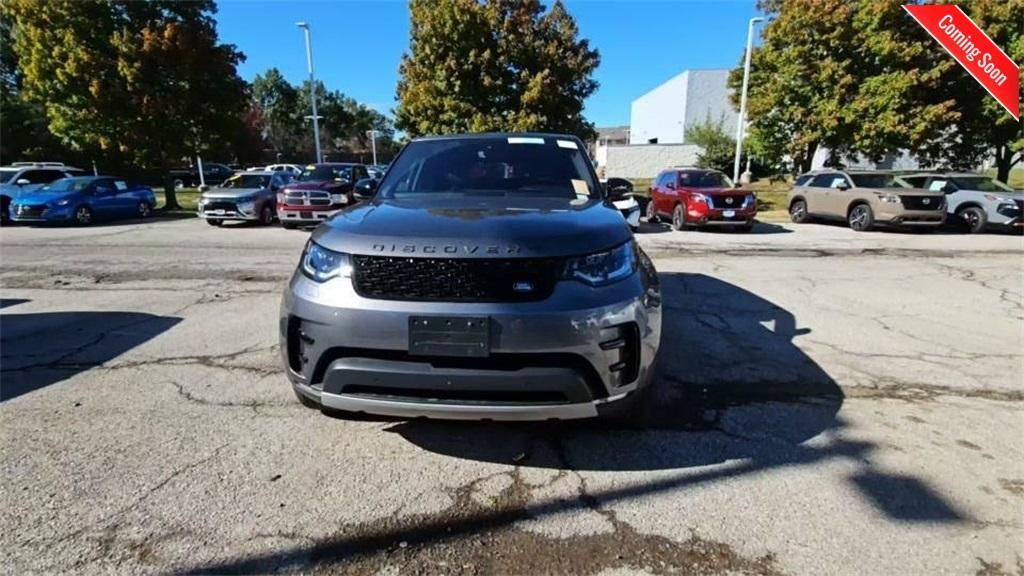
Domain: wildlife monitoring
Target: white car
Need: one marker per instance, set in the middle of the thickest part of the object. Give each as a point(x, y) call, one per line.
point(293, 169)
point(622, 190)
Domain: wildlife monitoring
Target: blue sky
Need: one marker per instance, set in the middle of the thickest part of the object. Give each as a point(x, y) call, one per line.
point(357, 46)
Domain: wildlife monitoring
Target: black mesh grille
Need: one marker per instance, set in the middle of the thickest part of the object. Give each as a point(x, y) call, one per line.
point(31, 211)
point(723, 201)
point(225, 206)
point(922, 202)
point(456, 280)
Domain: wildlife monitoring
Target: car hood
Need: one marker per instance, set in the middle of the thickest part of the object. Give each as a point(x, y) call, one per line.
point(719, 191)
point(230, 192)
point(1016, 195)
point(315, 185)
point(37, 197)
point(475, 227)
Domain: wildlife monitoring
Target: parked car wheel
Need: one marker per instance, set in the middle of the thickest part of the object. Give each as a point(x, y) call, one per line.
point(144, 210)
point(798, 212)
point(652, 214)
point(266, 215)
point(83, 215)
point(5, 211)
point(678, 219)
point(860, 218)
point(973, 219)
point(213, 222)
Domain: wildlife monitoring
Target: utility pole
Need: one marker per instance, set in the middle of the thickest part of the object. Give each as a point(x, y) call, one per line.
point(312, 89)
point(741, 121)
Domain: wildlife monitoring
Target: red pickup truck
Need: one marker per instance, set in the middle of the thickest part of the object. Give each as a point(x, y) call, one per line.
point(318, 193)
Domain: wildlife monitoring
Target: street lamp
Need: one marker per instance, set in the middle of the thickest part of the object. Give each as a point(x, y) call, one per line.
point(373, 144)
point(741, 121)
point(312, 89)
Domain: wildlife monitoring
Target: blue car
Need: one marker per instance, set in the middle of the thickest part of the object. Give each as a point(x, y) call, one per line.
point(82, 200)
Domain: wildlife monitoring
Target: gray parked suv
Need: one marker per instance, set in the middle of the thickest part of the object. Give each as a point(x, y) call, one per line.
point(975, 200)
point(489, 277)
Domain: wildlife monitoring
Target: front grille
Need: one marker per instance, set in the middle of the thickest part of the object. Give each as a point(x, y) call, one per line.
point(923, 202)
point(30, 211)
point(456, 280)
point(307, 198)
point(728, 201)
point(225, 206)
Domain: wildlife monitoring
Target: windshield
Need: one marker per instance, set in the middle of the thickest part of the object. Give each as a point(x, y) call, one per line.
point(247, 181)
point(514, 165)
point(704, 180)
point(325, 173)
point(981, 184)
point(6, 174)
point(876, 181)
point(67, 185)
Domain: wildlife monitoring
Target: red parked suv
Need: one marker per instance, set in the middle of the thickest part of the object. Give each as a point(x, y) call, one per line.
point(700, 197)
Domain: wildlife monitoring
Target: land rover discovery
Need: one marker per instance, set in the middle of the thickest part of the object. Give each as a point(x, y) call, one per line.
point(489, 277)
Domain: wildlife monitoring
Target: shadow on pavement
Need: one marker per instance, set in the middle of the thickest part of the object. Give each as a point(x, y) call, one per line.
point(733, 389)
point(8, 302)
point(41, 349)
point(759, 228)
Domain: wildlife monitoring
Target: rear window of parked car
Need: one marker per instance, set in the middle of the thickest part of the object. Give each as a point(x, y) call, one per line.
point(876, 181)
point(804, 179)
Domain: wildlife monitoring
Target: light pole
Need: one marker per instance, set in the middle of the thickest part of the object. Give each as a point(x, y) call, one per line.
point(312, 89)
point(741, 121)
point(373, 144)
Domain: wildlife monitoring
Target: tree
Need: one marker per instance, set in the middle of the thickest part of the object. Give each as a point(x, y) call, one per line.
point(141, 83)
point(858, 77)
point(985, 130)
point(494, 65)
point(717, 147)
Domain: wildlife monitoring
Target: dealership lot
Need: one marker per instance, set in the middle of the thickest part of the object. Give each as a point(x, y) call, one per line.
point(828, 401)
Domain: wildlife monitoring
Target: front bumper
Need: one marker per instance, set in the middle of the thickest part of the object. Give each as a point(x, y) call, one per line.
point(49, 214)
point(719, 217)
point(898, 216)
point(239, 212)
point(559, 358)
point(306, 214)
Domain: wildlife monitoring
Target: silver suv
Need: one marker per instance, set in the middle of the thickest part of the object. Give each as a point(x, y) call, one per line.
point(975, 201)
point(489, 277)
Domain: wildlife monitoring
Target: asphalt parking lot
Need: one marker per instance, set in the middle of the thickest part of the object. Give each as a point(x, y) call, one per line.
point(828, 402)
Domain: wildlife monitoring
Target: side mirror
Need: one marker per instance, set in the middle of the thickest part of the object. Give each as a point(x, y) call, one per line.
point(843, 187)
point(365, 189)
point(22, 181)
point(616, 188)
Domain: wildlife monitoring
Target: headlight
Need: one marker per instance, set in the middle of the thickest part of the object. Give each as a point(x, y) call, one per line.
point(338, 198)
point(246, 199)
point(889, 198)
point(994, 198)
point(63, 202)
point(321, 264)
point(603, 268)
point(698, 197)
point(203, 200)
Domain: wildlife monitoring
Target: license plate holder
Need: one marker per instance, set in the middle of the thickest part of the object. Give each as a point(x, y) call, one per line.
point(729, 214)
point(306, 215)
point(219, 211)
point(450, 336)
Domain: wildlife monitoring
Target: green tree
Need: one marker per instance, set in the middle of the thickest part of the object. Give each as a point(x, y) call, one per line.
point(494, 65)
point(140, 83)
point(984, 129)
point(855, 76)
point(717, 147)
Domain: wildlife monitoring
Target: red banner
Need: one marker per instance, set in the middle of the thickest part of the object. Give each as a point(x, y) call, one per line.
point(973, 49)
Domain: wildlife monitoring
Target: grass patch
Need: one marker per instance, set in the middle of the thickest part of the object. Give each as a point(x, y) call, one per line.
point(188, 199)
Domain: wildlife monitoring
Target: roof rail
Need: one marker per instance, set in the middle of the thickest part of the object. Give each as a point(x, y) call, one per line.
point(49, 164)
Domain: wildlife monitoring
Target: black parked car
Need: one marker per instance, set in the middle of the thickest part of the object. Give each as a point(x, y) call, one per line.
point(213, 174)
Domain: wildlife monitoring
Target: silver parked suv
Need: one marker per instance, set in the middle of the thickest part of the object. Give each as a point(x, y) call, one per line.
point(489, 277)
point(976, 201)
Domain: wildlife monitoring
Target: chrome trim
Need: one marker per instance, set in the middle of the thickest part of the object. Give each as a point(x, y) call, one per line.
point(459, 411)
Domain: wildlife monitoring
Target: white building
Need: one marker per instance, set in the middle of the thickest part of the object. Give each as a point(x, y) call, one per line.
point(663, 115)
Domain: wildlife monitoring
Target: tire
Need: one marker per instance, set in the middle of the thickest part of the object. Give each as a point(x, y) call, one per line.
point(214, 222)
point(83, 215)
point(144, 210)
point(5, 212)
point(860, 218)
point(798, 212)
point(634, 229)
point(678, 218)
point(266, 215)
point(973, 219)
point(652, 214)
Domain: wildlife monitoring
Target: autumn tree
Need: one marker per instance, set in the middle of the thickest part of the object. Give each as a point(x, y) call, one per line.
point(496, 65)
point(854, 76)
point(141, 83)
